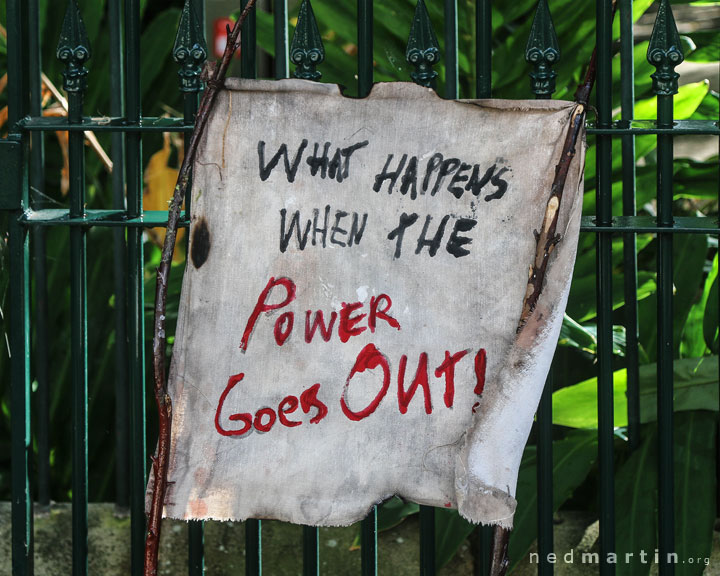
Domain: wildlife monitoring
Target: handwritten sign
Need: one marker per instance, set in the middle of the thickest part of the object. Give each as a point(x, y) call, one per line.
point(348, 323)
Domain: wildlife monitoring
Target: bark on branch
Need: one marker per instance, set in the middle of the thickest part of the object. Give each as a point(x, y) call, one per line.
point(161, 460)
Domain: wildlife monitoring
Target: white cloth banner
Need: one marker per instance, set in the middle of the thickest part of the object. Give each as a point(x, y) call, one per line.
point(347, 326)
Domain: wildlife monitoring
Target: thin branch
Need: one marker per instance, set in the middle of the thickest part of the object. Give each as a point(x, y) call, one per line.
point(162, 398)
point(548, 238)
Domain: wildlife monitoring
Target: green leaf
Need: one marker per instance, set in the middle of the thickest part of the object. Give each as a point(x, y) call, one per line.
point(451, 530)
point(710, 319)
point(573, 458)
point(685, 103)
point(689, 254)
point(694, 489)
point(695, 388)
point(389, 514)
point(707, 44)
point(394, 511)
point(635, 501)
point(697, 337)
point(157, 42)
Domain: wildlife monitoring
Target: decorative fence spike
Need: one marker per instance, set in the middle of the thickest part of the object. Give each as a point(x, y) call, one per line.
point(190, 50)
point(542, 51)
point(664, 52)
point(307, 51)
point(73, 49)
point(423, 50)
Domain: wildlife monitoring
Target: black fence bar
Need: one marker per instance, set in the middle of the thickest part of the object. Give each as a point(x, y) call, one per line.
point(21, 449)
point(135, 287)
point(451, 49)
point(483, 48)
point(545, 479)
point(196, 548)
point(280, 21)
point(666, 502)
point(196, 528)
point(311, 551)
point(248, 48)
point(37, 186)
point(164, 124)
point(603, 95)
point(368, 544)
point(117, 153)
point(253, 548)
point(365, 47)
point(427, 541)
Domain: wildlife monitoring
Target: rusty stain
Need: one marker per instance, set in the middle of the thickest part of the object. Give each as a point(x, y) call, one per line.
point(198, 508)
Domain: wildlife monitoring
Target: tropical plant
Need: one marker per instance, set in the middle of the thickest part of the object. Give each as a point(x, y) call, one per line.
point(574, 401)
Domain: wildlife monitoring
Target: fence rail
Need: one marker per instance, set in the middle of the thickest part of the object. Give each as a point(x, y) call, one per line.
point(305, 54)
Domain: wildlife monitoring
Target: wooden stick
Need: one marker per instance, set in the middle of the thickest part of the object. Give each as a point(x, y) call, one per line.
point(161, 460)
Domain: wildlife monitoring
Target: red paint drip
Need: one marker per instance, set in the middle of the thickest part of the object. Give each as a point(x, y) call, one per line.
point(480, 366)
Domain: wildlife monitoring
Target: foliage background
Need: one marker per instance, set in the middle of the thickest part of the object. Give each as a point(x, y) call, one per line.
point(575, 398)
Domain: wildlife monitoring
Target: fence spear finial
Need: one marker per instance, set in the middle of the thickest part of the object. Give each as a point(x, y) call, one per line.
point(190, 50)
point(73, 49)
point(664, 51)
point(307, 51)
point(542, 51)
point(423, 50)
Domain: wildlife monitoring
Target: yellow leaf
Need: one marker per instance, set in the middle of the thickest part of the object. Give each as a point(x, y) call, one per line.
point(160, 180)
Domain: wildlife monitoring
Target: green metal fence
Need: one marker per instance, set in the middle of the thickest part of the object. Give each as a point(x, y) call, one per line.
point(22, 165)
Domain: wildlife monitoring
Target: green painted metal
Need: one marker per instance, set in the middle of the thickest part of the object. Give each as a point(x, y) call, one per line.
point(280, 22)
point(483, 48)
point(11, 174)
point(158, 219)
point(117, 153)
point(627, 104)
point(73, 51)
point(248, 45)
point(190, 53)
point(423, 49)
point(311, 551)
point(368, 544)
point(135, 289)
point(664, 54)
point(21, 448)
point(253, 548)
point(451, 50)
point(427, 541)
point(163, 124)
point(196, 548)
point(21, 443)
point(190, 50)
point(38, 246)
point(127, 125)
point(365, 46)
point(603, 97)
point(542, 51)
point(545, 479)
point(306, 50)
point(151, 124)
